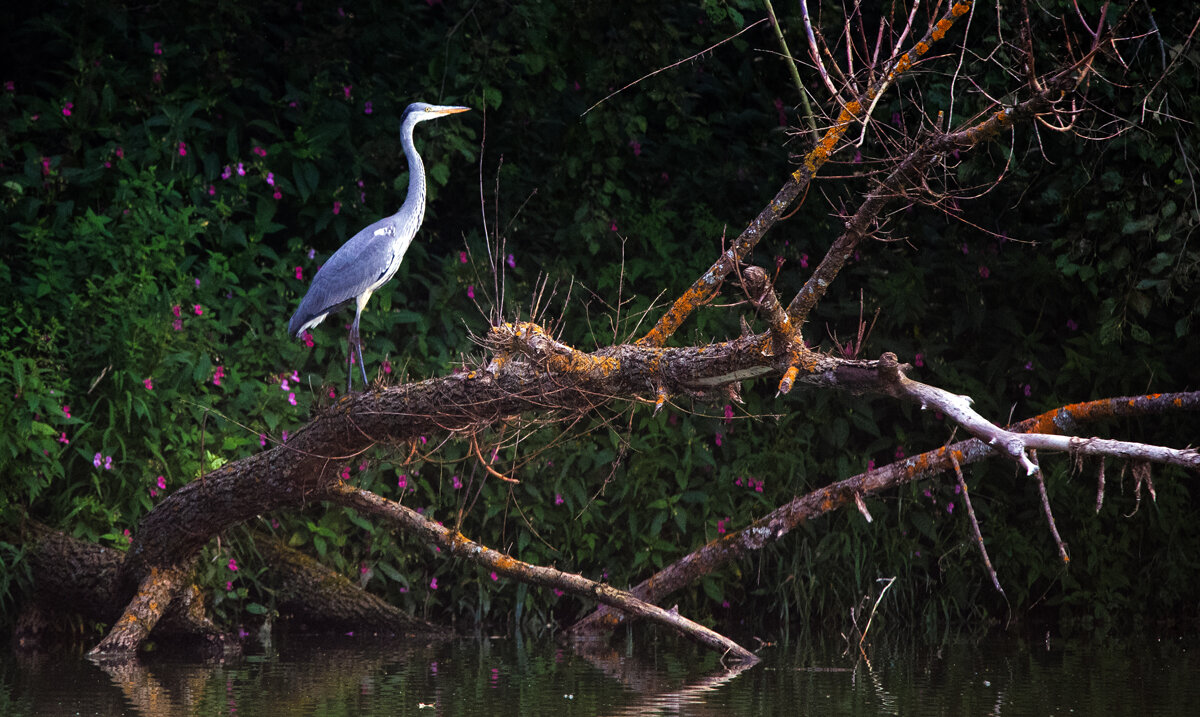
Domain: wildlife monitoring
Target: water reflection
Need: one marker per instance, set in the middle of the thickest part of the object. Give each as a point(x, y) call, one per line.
point(638, 675)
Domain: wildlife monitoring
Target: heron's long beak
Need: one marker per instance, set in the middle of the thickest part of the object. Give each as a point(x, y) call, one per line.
point(450, 110)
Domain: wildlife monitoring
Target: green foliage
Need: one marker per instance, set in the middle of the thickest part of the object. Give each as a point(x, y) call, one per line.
point(172, 179)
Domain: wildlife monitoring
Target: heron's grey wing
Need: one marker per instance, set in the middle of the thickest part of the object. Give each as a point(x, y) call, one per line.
point(360, 265)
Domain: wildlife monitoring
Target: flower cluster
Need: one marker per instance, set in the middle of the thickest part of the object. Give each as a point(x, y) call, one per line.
point(101, 460)
point(749, 482)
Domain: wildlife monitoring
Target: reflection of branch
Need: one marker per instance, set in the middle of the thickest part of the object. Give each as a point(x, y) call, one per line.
point(459, 546)
point(784, 519)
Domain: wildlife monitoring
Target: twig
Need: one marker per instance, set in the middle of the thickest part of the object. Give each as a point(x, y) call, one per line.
point(791, 63)
point(673, 65)
point(966, 494)
point(1041, 481)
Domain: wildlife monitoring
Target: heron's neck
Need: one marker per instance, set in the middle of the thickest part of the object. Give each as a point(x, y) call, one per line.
point(416, 177)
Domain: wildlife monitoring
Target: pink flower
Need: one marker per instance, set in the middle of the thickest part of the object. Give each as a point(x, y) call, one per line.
point(176, 309)
point(1072, 325)
point(332, 393)
point(120, 153)
point(284, 437)
point(241, 169)
point(292, 398)
point(228, 586)
point(162, 483)
point(387, 366)
point(182, 149)
point(950, 507)
point(262, 440)
point(158, 48)
point(871, 464)
point(983, 271)
point(721, 525)
point(919, 360)
point(637, 147)
point(177, 324)
point(614, 225)
point(233, 566)
point(45, 166)
point(471, 291)
point(337, 207)
point(271, 178)
point(149, 386)
point(456, 482)
point(462, 257)
point(66, 110)
point(558, 499)
point(494, 576)
point(9, 86)
point(218, 374)
point(403, 482)
point(308, 339)
point(728, 413)
point(899, 452)
point(346, 90)
point(260, 151)
point(511, 261)
point(96, 460)
point(345, 474)
point(196, 308)
point(433, 584)
point(66, 411)
point(277, 195)
point(108, 463)
point(299, 274)
point(62, 438)
point(367, 109)
point(1028, 390)
point(212, 190)
point(128, 535)
point(226, 173)
point(719, 439)
point(804, 261)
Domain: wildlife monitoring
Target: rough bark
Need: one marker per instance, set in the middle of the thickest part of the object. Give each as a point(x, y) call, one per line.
point(312, 596)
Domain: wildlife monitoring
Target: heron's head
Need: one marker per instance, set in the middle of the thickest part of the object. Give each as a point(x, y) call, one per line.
point(421, 111)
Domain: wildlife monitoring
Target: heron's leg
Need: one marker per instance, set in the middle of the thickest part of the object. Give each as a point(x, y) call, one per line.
point(350, 359)
point(361, 365)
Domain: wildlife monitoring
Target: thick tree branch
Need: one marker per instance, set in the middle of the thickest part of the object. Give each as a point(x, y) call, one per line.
point(459, 546)
point(706, 287)
point(784, 519)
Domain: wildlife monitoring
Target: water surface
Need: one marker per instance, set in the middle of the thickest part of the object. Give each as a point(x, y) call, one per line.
point(646, 675)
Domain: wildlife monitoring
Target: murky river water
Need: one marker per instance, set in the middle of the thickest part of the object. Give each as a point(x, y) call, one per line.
point(647, 676)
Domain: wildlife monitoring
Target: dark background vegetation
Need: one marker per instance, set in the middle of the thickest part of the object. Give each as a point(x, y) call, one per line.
point(145, 285)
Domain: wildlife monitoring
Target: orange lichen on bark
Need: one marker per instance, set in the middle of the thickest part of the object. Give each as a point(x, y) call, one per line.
point(697, 295)
point(579, 362)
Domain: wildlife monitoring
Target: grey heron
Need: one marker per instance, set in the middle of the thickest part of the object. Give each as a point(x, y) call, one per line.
point(372, 256)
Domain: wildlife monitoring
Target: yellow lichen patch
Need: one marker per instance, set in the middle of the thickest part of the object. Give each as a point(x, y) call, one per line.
point(789, 377)
point(922, 47)
point(960, 9)
point(939, 30)
point(576, 362)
